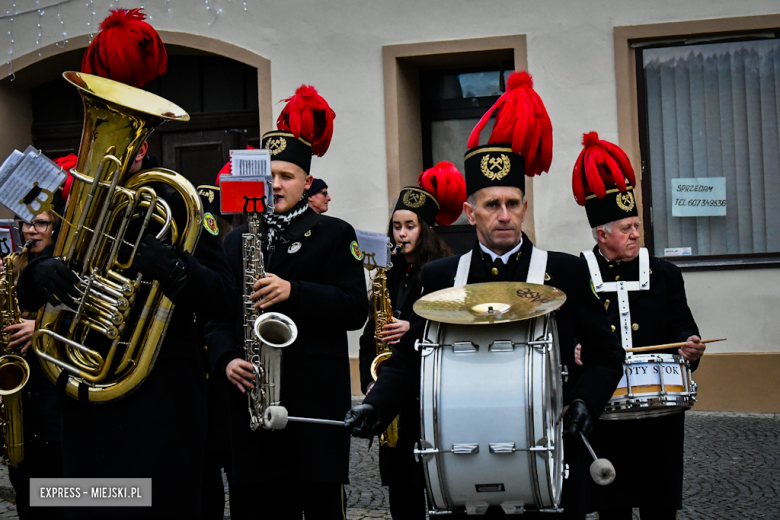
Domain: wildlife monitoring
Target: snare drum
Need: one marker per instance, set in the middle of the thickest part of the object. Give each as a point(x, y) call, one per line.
point(490, 399)
point(652, 385)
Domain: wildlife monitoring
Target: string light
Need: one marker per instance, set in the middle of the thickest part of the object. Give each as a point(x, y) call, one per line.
point(215, 12)
point(40, 31)
point(11, 37)
point(61, 44)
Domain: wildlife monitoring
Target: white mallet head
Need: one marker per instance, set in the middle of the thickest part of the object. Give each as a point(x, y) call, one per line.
point(602, 471)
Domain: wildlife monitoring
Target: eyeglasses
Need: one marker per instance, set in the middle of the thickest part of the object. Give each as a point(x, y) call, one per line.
point(41, 226)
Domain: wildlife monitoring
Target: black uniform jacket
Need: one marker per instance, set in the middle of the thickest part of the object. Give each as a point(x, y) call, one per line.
point(397, 465)
point(159, 430)
point(647, 453)
point(319, 256)
point(582, 317)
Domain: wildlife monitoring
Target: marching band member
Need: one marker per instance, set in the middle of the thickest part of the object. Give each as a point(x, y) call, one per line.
point(520, 144)
point(41, 414)
point(315, 277)
point(159, 430)
point(411, 226)
point(603, 182)
point(318, 196)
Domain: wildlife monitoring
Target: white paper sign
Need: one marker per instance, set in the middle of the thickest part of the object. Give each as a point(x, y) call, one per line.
point(699, 197)
point(9, 237)
point(677, 251)
point(646, 374)
point(31, 183)
point(375, 248)
point(250, 163)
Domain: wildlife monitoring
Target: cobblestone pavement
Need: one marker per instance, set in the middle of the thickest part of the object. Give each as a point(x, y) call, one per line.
point(732, 472)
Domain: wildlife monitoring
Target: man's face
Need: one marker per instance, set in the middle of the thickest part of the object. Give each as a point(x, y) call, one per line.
point(498, 215)
point(290, 181)
point(623, 242)
point(319, 201)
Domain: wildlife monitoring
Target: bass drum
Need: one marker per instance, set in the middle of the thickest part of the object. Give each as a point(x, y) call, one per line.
point(489, 405)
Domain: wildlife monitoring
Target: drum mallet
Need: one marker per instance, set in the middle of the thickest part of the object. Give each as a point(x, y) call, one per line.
point(602, 471)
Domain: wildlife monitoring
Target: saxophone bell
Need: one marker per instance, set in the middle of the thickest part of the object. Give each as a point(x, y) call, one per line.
point(275, 329)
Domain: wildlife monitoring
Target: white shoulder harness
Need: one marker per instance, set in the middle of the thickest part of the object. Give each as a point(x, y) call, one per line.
point(621, 288)
point(536, 269)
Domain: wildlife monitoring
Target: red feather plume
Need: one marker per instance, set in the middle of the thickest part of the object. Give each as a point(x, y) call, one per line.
point(67, 162)
point(522, 122)
point(308, 115)
point(600, 166)
point(127, 49)
point(447, 185)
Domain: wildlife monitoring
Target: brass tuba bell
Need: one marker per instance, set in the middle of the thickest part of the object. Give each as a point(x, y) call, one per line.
point(108, 341)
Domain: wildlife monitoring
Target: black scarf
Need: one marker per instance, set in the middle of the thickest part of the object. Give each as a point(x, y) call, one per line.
point(277, 222)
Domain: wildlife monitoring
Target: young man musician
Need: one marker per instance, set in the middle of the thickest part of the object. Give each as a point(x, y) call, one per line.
point(495, 182)
point(157, 431)
point(315, 277)
point(657, 314)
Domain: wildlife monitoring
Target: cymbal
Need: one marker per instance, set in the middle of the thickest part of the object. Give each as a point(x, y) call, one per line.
point(487, 303)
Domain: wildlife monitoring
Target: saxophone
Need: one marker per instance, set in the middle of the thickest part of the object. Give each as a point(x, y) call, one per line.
point(383, 314)
point(265, 334)
point(14, 370)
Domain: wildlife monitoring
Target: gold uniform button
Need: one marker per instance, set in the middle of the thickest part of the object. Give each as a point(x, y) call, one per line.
point(307, 234)
point(617, 278)
point(635, 326)
point(205, 348)
point(494, 271)
point(207, 376)
point(613, 328)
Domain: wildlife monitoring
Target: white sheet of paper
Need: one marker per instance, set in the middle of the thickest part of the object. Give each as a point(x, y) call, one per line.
point(699, 197)
point(250, 163)
point(6, 242)
point(375, 247)
point(32, 168)
point(643, 374)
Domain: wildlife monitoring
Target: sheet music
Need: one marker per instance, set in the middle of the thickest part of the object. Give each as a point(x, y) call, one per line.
point(250, 163)
point(375, 248)
point(17, 182)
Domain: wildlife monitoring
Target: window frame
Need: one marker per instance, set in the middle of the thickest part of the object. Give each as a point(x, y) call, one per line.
point(630, 41)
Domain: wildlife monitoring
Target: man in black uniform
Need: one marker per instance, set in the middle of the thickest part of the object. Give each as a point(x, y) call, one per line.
point(318, 196)
point(315, 277)
point(495, 184)
point(159, 430)
point(647, 453)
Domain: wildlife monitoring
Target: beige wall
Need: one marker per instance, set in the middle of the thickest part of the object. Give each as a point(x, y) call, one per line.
point(15, 124)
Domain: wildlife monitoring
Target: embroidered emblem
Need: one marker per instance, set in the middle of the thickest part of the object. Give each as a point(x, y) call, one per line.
point(307, 234)
point(414, 199)
point(354, 248)
point(209, 194)
point(625, 201)
point(495, 168)
point(294, 248)
point(210, 223)
point(276, 146)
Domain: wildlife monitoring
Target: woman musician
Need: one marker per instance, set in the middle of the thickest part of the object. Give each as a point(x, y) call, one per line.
point(439, 199)
point(41, 413)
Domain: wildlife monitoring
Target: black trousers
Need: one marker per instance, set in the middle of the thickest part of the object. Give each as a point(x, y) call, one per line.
point(407, 502)
point(645, 513)
point(290, 500)
point(41, 460)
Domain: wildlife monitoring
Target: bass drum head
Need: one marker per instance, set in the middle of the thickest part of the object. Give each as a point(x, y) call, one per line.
point(554, 391)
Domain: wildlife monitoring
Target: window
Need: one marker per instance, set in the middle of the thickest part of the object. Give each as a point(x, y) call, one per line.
point(709, 124)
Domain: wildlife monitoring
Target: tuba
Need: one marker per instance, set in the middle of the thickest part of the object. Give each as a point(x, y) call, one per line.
point(383, 314)
point(108, 341)
point(265, 335)
point(14, 370)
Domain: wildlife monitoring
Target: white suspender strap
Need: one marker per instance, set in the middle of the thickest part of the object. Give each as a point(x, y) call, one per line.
point(625, 314)
point(537, 267)
point(595, 272)
point(644, 269)
point(462, 274)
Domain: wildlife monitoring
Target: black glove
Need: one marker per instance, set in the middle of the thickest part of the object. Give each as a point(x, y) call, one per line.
point(362, 421)
point(577, 419)
point(54, 282)
point(158, 261)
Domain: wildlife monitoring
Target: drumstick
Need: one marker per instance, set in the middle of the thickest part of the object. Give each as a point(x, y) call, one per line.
point(601, 471)
point(669, 345)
